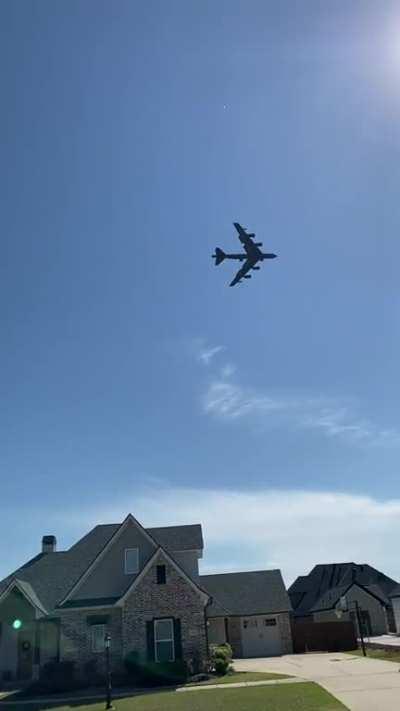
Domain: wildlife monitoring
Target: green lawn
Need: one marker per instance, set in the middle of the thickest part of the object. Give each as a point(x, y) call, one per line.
point(285, 697)
point(241, 677)
point(388, 656)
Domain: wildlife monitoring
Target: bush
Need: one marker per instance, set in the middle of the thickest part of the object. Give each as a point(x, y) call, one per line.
point(154, 673)
point(228, 649)
point(92, 674)
point(221, 657)
point(221, 666)
point(56, 677)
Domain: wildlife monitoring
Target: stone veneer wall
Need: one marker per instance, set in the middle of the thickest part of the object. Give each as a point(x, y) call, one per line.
point(75, 642)
point(176, 598)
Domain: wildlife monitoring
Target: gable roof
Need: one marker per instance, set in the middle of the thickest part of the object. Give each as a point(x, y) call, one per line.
point(329, 599)
point(307, 590)
point(52, 575)
point(96, 561)
point(179, 538)
point(248, 593)
point(27, 591)
point(160, 552)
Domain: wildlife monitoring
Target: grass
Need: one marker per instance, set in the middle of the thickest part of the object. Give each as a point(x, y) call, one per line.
point(236, 677)
point(385, 654)
point(285, 697)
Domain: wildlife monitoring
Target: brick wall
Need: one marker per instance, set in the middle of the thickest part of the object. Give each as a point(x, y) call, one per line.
point(176, 598)
point(127, 624)
point(75, 641)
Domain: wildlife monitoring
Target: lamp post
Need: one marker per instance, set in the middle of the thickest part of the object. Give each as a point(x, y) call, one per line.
point(344, 607)
point(107, 643)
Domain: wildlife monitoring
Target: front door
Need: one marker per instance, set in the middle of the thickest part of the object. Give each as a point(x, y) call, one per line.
point(25, 654)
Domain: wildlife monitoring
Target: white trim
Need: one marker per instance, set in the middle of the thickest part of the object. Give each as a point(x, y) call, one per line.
point(147, 567)
point(131, 572)
point(170, 639)
point(15, 583)
point(100, 556)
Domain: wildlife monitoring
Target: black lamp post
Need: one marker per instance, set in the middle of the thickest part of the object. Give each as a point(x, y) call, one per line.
point(107, 642)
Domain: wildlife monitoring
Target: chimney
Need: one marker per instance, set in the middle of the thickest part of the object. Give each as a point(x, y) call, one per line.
point(49, 544)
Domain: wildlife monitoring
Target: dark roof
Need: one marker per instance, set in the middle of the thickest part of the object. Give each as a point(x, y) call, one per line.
point(52, 575)
point(252, 593)
point(308, 590)
point(395, 592)
point(178, 538)
point(332, 596)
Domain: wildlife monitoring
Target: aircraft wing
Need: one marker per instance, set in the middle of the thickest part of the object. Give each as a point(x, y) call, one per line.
point(243, 236)
point(249, 263)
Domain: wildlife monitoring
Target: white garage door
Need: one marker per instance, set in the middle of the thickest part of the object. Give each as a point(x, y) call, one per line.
point(261, 636)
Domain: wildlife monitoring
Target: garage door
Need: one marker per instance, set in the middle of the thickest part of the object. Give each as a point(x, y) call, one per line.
point(261, 636)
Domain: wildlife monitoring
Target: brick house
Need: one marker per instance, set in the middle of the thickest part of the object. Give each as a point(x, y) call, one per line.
point(144, 588)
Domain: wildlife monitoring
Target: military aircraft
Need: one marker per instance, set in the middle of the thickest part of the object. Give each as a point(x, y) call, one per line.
point(251, 255)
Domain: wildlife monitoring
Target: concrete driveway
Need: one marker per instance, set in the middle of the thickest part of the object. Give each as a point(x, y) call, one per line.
point(360, 684)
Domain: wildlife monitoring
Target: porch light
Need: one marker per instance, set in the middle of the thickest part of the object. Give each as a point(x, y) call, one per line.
point(17, 624)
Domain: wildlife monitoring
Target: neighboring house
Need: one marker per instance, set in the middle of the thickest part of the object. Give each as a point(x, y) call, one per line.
point(316, 596)
point(395, 600)
point(251, 611)
point(142, 586)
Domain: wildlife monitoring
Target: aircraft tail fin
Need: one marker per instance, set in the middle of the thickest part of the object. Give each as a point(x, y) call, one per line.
point(219, 256)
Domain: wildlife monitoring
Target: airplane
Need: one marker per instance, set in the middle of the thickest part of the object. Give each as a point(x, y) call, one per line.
point(252, 254)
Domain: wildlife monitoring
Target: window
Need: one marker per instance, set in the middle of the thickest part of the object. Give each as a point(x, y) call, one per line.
point(164, 640)
point(131, 561)
point(98, 633)
point(271, 622)
point(161, 575)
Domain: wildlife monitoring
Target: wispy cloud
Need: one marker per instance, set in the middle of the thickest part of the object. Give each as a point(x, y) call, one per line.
point(249, 530)
point(203, 351)
point(227, 399)
point(228, 370)
point(230, 401)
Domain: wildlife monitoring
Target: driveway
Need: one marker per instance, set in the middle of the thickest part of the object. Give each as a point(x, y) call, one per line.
point(361, 684)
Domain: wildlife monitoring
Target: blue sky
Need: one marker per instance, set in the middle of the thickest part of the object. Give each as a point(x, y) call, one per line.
point(133, 135)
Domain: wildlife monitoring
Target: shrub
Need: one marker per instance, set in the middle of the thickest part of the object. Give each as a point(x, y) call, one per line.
point(228, 649)
point(92, 674)
point(221, 666)
point(221, 657)
point(56, 677)
point(154, 673)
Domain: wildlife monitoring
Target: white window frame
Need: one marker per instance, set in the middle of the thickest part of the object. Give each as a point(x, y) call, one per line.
point(127, 570)
point(165, 639)
point(95, 637)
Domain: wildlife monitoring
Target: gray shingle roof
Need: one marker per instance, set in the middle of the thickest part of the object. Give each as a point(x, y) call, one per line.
point(255, 592)
point(51, 575)
point(332, 596)
point(395, 592)
point(178, 538)
point(307, 590)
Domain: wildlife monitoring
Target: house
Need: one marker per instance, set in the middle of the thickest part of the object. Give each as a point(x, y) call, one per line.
point(316, 596)
point(142, 587)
